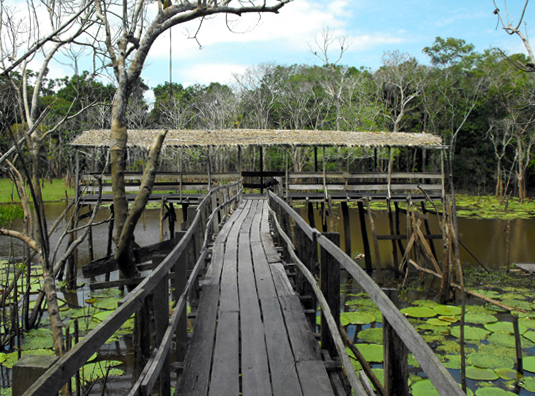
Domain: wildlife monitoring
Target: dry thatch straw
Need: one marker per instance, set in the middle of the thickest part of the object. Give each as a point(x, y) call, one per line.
point(260, 137)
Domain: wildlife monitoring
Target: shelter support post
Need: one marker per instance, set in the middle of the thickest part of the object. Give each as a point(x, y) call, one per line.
point(330, 287)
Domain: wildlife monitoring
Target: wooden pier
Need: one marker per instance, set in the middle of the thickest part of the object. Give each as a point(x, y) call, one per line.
point(251, 335)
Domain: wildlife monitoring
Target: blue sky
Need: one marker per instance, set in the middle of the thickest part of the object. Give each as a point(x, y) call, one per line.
point(372, 27)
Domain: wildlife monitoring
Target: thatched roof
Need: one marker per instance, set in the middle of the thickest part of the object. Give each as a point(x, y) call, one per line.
point(259, 137)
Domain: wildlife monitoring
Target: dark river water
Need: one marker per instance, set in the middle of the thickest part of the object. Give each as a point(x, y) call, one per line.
point(486, 239)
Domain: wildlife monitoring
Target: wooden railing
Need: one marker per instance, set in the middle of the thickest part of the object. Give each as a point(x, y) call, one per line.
point(165, 181)
point(142, 302)
point(302, 242)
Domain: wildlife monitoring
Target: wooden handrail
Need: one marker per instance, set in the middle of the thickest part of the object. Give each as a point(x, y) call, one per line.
point(429, 362)
point(66, 366)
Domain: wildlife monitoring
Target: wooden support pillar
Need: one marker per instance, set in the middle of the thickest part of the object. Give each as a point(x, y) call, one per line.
point(162, 211)
point(90, 240)
point(428, 231)
point(324, 227)
point(392, 232)
point(315, 158)
point(400, 244)
point(181, 277)
point(389, 195)
point(28, 370)
point(261, 167)
point(311, 218)
point(209, 168)
point(366, 243)
point(347, 231)
point(239, 159)
point(395, 358)
point(330, 287)
point(378, 263)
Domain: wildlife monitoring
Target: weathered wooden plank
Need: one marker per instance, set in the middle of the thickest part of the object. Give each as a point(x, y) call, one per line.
point(284, 377)
point(254, 362)
point(304, 345)
point(314, 379)
point(198, 359)
point(224, 379)
point(281, 281)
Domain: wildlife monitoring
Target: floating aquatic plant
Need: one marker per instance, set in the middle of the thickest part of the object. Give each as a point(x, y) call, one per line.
point(419, 312)
point(479, 318)
point(438, 322)
point(504, 326)
point(447, 310)
point(373, 336)
point(470, 333)
point(484, 360)
point(481, 374)
point(529, 363)
point(498, 350)
point(373, 353)
point(494, 392)
point(360, 318)
point(451, 319)
point(530, 335)
point(94, 371)
point(356, 364)
point(454, 362)
point(528, 383)
point(508, 374)
point(508, 340)
point(425, 303)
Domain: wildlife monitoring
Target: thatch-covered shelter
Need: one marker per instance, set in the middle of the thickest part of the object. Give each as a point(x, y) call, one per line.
point(262, 137)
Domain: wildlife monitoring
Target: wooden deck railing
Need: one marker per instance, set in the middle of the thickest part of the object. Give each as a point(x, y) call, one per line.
point(154, 286)
point(302, 241)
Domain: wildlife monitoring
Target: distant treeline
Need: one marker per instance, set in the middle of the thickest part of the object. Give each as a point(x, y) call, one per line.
point(481, 104)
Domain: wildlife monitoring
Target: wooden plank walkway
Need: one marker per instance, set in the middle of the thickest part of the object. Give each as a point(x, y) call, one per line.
point(251, 336)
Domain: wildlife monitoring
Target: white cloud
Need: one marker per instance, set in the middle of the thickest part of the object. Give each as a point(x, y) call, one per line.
point(296, 24)
point(206, 73)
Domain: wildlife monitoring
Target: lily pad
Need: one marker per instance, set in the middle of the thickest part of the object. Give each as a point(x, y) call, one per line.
point(438, 322)
point(504, 326)
point(470, 333)
point(529, 363)
point(479, 318)
point(483, 360)
point(354, 361)
point(454, 362)
point(528, 383)
point(530, 335)
point(373, 353)
point(100, 316)
point(372, 336)
point(518, 304)
point(424, 388)
point(419, 312)
point(93, 371)
point(451, 319)
point(447, 310)
point(107, 303)
point(494, 392)
point(343, 321)
point(508, 374)
point(527, 322)
point(508, 340)
point(498, 350)
point(359, 318)
point(425, 303)
point(481, 374)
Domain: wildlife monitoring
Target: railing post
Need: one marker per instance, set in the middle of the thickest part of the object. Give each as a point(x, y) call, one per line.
point(161, 316)
point(395, 357)
point(181, 277)
point(307, 251)
point(330, 287)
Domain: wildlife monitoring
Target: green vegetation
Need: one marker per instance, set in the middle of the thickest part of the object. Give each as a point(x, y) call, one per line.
point(52, 191)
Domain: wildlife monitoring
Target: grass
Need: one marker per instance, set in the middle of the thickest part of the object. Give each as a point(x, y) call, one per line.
point(52, 192)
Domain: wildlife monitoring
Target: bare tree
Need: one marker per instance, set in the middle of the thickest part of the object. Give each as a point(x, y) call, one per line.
point(128, 37)
point(22, 37)
point(506, 20)
point(334, 83)
point(402, 80)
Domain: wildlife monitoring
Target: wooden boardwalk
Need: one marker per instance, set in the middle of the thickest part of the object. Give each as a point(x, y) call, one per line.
point(251, 336)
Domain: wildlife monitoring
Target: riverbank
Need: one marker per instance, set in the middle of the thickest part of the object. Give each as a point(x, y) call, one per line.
point(53, 191)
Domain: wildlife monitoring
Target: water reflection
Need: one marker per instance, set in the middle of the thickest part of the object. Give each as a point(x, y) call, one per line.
point(486, 239)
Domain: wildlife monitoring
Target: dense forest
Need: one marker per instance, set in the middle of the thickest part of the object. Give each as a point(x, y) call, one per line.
point(480, 103)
